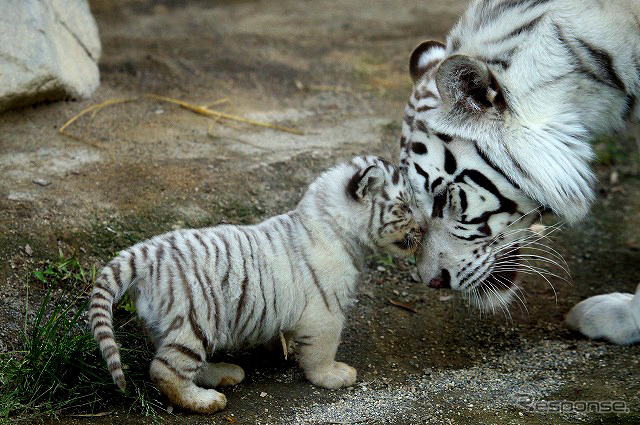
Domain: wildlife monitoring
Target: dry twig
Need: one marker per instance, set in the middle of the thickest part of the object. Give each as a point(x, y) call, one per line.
point(402, 305)
point(203, 110)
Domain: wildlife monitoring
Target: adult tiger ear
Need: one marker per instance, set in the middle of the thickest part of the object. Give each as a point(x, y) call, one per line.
point(467, 83)
point(424, 57)
point(365, 182)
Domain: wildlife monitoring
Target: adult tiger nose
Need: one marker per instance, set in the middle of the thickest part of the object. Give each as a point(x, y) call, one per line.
point(442, 282)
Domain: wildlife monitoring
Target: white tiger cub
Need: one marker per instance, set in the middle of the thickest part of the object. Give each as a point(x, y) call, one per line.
point(498, 127)
point(202, 290)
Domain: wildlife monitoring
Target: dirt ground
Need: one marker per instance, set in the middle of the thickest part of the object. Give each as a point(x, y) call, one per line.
point(337, 70)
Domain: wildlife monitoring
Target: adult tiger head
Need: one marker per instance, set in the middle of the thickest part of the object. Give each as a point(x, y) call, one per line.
point(483, 175)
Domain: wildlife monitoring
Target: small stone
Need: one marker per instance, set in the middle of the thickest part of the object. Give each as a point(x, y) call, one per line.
point(41, 182)
point(415, 277)
point(368, 293)
point(445, 298)
point(263, 394)
point(538, 228)
point(613, 178)
point(28, 250)
point(169, 409)
point(381, 269)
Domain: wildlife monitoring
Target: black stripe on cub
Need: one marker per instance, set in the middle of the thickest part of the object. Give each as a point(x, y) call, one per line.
point(352, 185)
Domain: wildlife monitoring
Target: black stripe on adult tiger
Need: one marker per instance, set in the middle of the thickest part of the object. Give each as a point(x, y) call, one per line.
point(199, 291)
point(497, 131)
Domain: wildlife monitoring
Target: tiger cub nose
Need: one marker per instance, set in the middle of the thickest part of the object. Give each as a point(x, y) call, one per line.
point(442, 282)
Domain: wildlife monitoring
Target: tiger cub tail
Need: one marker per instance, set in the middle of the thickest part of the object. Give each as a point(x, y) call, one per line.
point(112, 283)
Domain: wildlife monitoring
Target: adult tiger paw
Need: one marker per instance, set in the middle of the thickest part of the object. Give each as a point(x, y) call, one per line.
point(614, 317)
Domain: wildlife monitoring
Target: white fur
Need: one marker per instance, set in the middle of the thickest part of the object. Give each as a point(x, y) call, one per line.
point(202, 290)
point(559, 93)
point(550, 120)
point(614, 317)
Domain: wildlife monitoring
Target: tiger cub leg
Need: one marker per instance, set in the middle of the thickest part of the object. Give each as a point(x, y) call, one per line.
point(318, 337)
point(219, 374)
point(173, 370)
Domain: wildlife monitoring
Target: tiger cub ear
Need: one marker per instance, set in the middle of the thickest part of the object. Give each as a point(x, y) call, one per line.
point(365, 182)
point(424, 57)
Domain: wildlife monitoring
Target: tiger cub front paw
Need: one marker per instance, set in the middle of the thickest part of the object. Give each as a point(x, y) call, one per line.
point(337, 375)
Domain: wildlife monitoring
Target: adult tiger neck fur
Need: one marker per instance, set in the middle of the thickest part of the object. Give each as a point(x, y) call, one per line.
point(226, 287)
point(530, 83)
point(497, 131)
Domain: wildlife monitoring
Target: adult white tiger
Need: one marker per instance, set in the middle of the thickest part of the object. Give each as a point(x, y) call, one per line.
point(498, 125)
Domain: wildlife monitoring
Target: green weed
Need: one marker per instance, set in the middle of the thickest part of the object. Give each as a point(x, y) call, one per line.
point(59, 369)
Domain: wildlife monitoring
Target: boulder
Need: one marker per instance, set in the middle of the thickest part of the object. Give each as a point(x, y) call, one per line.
point(49, 50)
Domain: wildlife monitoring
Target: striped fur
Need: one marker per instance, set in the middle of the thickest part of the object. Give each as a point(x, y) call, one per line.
point(202, 290)
point(499, 124)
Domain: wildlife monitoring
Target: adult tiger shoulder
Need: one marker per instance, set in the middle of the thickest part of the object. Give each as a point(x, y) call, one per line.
point(498, 129)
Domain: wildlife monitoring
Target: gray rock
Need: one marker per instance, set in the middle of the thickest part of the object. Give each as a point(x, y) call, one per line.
point(49, 51)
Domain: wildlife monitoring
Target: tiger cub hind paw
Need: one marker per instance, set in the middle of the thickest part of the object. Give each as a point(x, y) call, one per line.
point(336, 376)
point(191, 397)
point(219, 374)
point(208, 401)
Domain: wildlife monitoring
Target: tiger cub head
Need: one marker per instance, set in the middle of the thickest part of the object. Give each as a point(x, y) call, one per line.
point(368, 201)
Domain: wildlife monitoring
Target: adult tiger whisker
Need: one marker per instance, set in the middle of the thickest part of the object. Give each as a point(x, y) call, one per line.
point(502, 301)
point(552, 229)
point(539, 271)
point(541, 259)
point(519, 219)
point(510, 289)
point(527, 248)
point(549, 250)
point(518, 243)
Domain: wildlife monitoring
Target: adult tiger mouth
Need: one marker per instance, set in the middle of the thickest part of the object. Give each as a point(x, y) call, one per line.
point(504, 274)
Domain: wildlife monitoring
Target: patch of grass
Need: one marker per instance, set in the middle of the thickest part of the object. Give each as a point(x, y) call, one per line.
point(59, 369)
point(382, 260)
point(609, 151)
point(619, 150)
point(65, 271)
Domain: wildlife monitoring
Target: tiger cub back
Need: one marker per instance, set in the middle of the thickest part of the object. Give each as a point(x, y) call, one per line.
point(202, 290)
